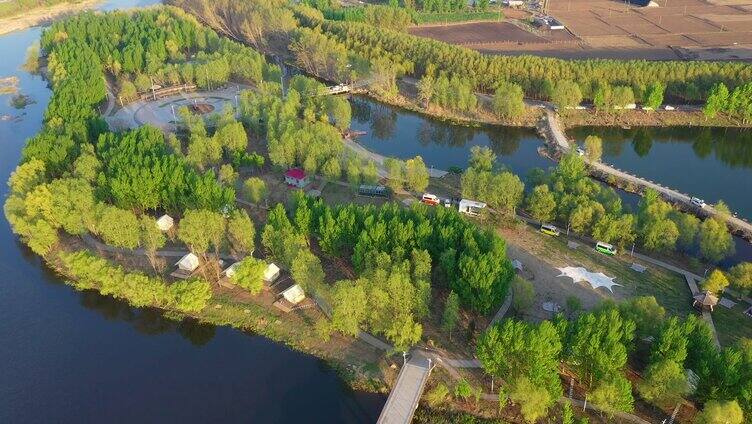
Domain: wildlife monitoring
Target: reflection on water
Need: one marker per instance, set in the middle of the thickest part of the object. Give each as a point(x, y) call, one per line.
point(401, 134)
point(106, 361)
point(148, 321)
point(711, 163)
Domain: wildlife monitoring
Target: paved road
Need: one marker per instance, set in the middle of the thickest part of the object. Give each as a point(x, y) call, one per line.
point(404, 398)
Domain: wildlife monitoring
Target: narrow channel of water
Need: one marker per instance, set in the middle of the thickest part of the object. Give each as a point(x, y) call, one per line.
point(82, 357)
point(710, 163)
point(696, 161)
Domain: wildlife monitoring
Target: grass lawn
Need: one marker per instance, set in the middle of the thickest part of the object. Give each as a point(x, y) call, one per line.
point(732, 324)
point(670, 289)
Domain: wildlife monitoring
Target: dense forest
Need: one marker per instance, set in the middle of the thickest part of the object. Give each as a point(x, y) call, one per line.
point(392, 250)
point(380, 42)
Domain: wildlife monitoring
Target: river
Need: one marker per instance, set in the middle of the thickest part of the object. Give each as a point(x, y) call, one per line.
point(710, 163)
point(81, 357)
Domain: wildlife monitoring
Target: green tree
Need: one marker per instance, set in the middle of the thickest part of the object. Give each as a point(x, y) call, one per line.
point(508, 100)
point(416, 174)
point(190, 296)
point(27, 177)
point(202, 229)
point(654, 95)
point(482, 158)
point(741, 276)
point(716, 412)
point(541, 204)
point(507, 192)
point(437, 396)
point(593, 147)
point(566, 94)
point(395, 173)
point(463, 389)
point(87, 165)
point(515, 349)
point(597, 344)
point(240, 233)
point(622, 96)
point(42, 237)
point(306, 270)
point(152, 239)
point(350, 307)
point(534, 400)
point(72, 203)
point(426, 89)
point(715, 282)
point(665, 383)
point(249, 274)
point(451, 313)
point(227, 174)
point(255, 189)
point(613, 395)
point(717, 100)
point(118, 227)
point(715, 241)
point(688, 226)
point(231, 137)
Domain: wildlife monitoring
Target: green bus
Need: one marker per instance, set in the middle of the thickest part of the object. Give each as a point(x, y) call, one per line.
point(605, 248)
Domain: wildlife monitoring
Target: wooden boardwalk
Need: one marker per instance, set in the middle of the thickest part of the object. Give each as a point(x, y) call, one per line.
point(404, 398)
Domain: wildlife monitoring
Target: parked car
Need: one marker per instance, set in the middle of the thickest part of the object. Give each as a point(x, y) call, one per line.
point(697, 202)
point(550, 230)
point(605, 248)
point(430, 199)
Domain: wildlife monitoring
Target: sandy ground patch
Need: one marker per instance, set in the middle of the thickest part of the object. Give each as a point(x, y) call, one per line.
point(43, 16)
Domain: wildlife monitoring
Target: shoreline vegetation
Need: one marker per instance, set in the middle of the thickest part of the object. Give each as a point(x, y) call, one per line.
point(404, 274)
point(16, 20)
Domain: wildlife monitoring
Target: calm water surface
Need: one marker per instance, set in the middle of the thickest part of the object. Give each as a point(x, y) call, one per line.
point(392, 132)
point(73, 357)
point(711, 163)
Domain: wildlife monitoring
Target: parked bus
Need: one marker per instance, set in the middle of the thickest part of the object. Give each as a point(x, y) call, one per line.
point(605, 248)
point(550, 230)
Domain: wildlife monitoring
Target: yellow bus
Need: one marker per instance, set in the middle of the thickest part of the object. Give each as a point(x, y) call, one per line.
point(550, 230)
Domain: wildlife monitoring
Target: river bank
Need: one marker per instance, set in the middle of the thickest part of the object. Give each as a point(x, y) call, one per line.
point(44, 15)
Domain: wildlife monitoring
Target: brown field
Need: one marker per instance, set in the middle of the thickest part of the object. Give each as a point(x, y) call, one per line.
point(686, 26)
point(482, 33)
point(676, 29)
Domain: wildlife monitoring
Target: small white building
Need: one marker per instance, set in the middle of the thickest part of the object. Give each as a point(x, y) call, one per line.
point(271, 273)
point(165, 223)
point(513, 3)
point(471, 207)
point(230, 270)
point(188, 263)
point(296, 177)
point(294, 294)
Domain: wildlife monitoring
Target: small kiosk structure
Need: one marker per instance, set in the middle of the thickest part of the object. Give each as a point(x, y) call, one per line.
point(165, 223)
point(291, 297)
point(705, 301)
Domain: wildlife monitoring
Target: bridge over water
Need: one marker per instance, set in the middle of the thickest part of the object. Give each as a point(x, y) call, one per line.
point(404, 398)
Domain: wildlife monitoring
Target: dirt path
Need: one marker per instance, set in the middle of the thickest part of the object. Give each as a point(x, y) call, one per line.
point(43, 16)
